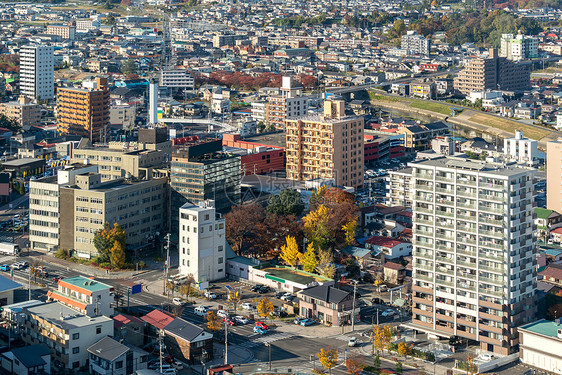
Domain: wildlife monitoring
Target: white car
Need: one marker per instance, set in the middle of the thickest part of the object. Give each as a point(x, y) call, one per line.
point(352, 341)
point(210, 295)
point(247, 306)
point(177, 365)
point(201, 310)
point(241, 320)
point(177, 301)
point(485, 357)
point(388, 312)
point(222, 314)
point(169, 371)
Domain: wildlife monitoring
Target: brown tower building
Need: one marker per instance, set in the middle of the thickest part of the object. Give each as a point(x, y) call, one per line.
point(328, 146)
point(83, 111)
point(493, 73)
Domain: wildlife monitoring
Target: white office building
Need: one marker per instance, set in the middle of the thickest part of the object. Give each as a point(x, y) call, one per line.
point(202, 242)
point(37, 74)
point(520, 149)
point(474, 272)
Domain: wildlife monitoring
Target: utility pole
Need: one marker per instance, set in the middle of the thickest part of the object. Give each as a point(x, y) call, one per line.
point(353, 307)
point(226, 341)
point(160, 337)
point(29, 284)
point(167, 264)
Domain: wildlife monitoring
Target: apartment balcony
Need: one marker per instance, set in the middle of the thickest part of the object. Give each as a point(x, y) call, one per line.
point(494, 198)
point(423, 232)
point(466, 240)
point(426, 267)
point(466, 217)
point(444, 179)
point(420, 254)
point(496, 210)
point(444, 317)
point(492, 221)
point(465, 252)
point(423, 187)
point(418, 220)
point(491, 280)
point(491, 256)
point(466, 264)
point(444, 282)
point(445, 202)
point(466, 228)
point(424, 210)
point(466, 182)
point(444, 236)
point(417, 276)
point(492, 233)
point(445, 259)
point(445, 191)
point(445, 213)
point(491, 245)
point(471, 206)
point(445, 225)
point(423, 198)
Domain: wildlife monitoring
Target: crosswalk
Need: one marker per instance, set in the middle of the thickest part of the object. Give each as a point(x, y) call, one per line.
point(265, 339)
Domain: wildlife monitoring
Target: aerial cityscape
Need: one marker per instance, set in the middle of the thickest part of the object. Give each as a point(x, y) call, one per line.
point(281, 187)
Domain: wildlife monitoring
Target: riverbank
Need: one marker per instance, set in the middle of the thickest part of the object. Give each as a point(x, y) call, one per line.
point(483, 122)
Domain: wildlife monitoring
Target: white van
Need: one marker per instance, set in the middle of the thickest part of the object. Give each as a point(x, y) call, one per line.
point(201, 310)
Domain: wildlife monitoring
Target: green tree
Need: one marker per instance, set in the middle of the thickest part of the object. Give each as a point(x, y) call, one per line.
point(309, 259)
point(398, 368)
point(288, 202)
point(377, 363)
point(128, 67)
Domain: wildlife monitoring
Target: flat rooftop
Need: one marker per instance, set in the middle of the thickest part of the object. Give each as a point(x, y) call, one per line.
point(543, 327)
point(20, 162)
point(86, 283)
point(65, 317)
point(271, 139)
point(470, 165)
point(296, 276)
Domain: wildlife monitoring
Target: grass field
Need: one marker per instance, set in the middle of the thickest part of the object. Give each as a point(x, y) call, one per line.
point(384, 98)
point(508, 125)
point(432, 107)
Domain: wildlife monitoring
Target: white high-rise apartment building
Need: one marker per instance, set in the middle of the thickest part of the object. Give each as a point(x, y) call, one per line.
point(474, 267)
point(519, 47)
point(202, 242)
point(415, 43)
point(37, 74)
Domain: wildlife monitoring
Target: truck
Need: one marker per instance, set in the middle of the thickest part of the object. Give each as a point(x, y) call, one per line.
point(9, 248)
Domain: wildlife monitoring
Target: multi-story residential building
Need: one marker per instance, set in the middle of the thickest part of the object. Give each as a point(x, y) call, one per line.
point(423, 88)
point(554, 175)
point(85, 295)
point(44, 206)
point(202, 242)
point(200, 172)
point(415, 44)
point(399, 188)
point(519, 47)
point(116, 161)
point(331, 306)
point(64, 31)
point(37, 72)
point(67, 333)
point(418, 137)
point(23, 110)
point(328, 146)
point(83, 111)
point(492, 73)
point(65, 213)
point(177, 78)
point(474, 268)
point(521, 149)
point(289, 104)
point(87, 24)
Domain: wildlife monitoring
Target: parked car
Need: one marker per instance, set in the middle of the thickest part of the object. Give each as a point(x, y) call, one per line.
point(388, 312)
point(352, 341)
point(230, 322)
point(279, 312)
point(261, 325)
point(279, 294)
point(222, 314)
point(255, 288)
point(260, 330)
point(247, 306)
point(377, 301)
point(201, 310)
point(241, 320)
point(297, 321)
point(210, 295)
point(177, 301)
point(177, 365)
point(264, 289)
point(287, 297)
point(5, 267)
point(307, 322)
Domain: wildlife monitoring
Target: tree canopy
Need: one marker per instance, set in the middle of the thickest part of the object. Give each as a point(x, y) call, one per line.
point(287, 202)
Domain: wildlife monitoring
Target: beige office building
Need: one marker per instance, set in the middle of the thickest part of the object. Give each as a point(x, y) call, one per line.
point(554, 175)
point(328, 146)
point(66, 210)
point(118, 160)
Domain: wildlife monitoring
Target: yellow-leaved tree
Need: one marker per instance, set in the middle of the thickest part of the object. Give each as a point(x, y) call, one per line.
point(265, 307)
point(349, 230)
point(213, 321)
point(328, 358)
point(316, 226)
point(309, 259)
point(117, 255)
point(290, 251)
point(325, 265)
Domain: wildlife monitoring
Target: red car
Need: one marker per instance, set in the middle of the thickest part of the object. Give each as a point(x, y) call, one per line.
point(262, 325)
point(230, 322)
